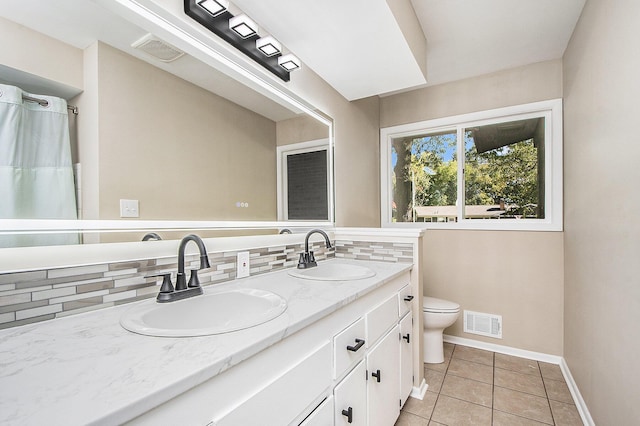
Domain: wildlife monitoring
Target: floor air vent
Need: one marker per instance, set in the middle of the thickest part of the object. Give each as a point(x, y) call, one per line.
point(483, 324)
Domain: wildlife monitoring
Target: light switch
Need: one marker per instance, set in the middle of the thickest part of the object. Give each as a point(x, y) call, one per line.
point(129, 208)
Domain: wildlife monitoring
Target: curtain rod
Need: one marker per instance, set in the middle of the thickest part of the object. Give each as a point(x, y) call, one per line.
point(44, 103)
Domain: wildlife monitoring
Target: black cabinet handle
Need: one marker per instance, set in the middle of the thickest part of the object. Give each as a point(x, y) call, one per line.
point(407, 337)
point(408, 298)
point(358, 345)
point(377, 375)
point(348, 413)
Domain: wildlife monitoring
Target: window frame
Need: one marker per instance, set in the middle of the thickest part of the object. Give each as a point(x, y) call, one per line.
point(551, 110)
point(282, 152)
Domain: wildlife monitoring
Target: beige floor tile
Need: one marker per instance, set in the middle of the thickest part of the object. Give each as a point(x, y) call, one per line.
point(448, 349)
point(436, 424)
point(454, 412)
point(551, 371)
point(442, 367)
point(422, 408)
point(471, 370)
point(408, 419)
point(558, 390)
point(527, 383)
point(434, 379)
point(522, 404)
point(565, 414)
point(468, 390)
point(472, 354)
point(513, 363)
point(505, 419)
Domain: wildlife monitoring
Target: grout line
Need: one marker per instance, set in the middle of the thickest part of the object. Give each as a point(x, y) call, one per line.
point(493, 388)
point(544, 385)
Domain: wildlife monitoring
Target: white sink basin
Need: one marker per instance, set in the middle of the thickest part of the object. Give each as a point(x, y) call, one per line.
point(212, 313)
point(333, 272)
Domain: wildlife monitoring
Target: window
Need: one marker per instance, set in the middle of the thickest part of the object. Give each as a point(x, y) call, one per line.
point(303, 181)
point(497, 169)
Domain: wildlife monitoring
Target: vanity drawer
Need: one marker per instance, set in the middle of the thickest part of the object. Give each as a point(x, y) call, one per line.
point(302, 384)
point(349, 347)
point(381, 318)
point(404, 300)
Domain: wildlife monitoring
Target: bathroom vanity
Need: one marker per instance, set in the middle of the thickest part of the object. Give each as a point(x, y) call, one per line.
point(342, 350)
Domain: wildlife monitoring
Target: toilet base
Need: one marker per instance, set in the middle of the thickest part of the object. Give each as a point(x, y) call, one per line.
point(433, 347)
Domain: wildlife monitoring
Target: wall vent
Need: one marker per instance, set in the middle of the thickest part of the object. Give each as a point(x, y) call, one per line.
point(483, 324)
point(157, 48)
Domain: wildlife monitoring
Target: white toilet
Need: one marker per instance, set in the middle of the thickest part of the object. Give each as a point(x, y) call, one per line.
point(438, 314)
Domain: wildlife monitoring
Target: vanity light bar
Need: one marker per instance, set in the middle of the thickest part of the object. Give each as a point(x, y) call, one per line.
point(214, 7)
point(243, 26)
point(241, 32)
point(268, 45)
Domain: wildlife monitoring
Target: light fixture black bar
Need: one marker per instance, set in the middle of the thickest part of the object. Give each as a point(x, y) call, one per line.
point(219, 25)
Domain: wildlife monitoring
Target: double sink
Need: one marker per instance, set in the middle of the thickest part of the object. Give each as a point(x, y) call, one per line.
point(219, 312)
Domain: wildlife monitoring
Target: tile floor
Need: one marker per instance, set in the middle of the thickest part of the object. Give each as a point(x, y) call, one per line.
point(477, 387)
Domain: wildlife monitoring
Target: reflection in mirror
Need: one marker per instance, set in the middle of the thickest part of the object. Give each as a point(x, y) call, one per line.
point(147, 131)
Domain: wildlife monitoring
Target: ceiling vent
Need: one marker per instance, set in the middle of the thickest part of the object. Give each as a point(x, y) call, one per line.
point(157, 48)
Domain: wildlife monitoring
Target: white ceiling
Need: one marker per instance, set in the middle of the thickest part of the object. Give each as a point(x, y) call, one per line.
point(470, 38)
point(360, 47)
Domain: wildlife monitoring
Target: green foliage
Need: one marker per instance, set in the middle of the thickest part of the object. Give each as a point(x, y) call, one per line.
point(428, 166)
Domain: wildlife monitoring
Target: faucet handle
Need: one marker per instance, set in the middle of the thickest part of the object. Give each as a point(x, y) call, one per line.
point(302, 261)
point(167, 285)
point(193, 279)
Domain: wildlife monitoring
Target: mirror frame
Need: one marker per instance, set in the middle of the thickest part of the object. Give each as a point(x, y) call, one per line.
point(153, 17)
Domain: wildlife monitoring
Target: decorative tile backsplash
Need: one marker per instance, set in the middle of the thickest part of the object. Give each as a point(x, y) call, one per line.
point(33, 296)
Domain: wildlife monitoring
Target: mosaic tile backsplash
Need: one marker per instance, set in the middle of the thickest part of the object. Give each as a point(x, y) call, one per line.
point(33, 296)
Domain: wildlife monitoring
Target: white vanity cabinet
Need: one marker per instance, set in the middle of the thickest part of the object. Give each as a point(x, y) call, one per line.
point(406, 357)
point(350, 398)
point(348, 368)
point(373, 392)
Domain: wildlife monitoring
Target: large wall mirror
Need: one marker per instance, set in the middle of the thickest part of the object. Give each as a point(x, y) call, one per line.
point(197, 143)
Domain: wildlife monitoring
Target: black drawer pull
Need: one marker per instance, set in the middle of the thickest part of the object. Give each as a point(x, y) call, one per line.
point(348, 413)
point(407, 337)
point(359, 344)
point(408, 298)
point(377, 375)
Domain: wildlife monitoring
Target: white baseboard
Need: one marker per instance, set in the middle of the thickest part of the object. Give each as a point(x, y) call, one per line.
point(577, 396)
point(419, 392)
point(538, 356)
point(507, 350)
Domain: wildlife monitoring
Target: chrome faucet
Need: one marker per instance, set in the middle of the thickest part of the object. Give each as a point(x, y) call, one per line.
point(307, 259)
point(183, 290)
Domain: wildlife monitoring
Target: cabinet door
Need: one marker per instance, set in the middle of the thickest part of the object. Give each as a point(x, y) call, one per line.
point(350, 398)
point(406, 357)
point(322, 415)
point(383, 381)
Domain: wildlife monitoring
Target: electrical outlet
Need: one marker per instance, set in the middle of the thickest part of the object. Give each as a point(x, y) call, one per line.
point(243, 264)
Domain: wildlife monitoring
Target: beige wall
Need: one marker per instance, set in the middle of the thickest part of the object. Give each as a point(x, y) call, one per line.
point(300, 129)
point(515, 274)
point(356, 135)
point(537, 82)
point(602, 284)
point(183, 152)
point(34, 53)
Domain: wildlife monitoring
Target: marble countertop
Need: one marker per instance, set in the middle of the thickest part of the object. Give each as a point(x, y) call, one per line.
point(87, 369)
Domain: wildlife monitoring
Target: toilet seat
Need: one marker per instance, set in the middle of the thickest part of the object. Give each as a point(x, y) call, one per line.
point(434, 305)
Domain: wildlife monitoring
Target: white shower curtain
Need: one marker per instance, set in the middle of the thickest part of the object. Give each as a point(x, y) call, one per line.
point(36, 172)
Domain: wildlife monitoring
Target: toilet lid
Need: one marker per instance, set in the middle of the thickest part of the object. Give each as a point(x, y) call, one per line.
point(432, 304)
